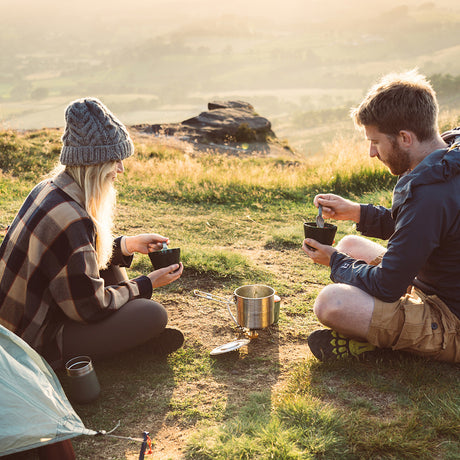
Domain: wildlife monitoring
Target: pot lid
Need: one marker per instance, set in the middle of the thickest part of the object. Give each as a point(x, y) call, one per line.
point(231, 346)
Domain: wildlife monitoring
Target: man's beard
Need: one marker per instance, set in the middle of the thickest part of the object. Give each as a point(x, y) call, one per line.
point(398, 162)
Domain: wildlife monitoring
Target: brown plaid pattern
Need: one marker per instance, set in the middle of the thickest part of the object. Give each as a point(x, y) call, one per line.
point(48, 269)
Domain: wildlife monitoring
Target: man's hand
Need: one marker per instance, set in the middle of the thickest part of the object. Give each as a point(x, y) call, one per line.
point(145, 242)
point(322, 253)
point(336, 207)
point(166, 275)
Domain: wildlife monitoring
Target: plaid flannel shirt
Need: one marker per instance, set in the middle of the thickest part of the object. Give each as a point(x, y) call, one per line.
point(49, 272)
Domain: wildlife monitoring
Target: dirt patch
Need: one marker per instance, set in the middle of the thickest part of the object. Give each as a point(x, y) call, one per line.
point(261, 366)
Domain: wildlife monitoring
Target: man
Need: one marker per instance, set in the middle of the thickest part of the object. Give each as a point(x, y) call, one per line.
point(63, 286)
point(407, 296)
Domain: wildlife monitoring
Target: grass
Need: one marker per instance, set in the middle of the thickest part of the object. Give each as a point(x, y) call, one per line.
point(391, 407)
point(237, 221)
point(253, 181)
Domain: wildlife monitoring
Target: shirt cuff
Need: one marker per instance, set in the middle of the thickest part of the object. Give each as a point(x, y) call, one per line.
point(361, 225)
point(117, 257)
point(145, 286)
point(124, 249)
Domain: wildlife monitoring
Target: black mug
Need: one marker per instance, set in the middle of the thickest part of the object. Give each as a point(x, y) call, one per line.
point(324, 235)
point(164, 258)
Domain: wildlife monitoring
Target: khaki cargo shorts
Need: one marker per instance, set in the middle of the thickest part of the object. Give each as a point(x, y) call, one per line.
point(418, 323)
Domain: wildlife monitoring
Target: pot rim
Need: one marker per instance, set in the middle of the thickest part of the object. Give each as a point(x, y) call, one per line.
point(254, 298)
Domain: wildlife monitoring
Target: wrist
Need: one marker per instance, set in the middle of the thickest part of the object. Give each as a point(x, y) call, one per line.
point(357, 213)
point(124, 247)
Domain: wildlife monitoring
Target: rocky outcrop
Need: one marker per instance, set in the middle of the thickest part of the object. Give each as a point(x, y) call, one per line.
point(224, 122)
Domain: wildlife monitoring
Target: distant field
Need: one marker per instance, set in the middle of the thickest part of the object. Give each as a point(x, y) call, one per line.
point(282, 107)
point(324, 57)
point(320, 117)
point(50, 113)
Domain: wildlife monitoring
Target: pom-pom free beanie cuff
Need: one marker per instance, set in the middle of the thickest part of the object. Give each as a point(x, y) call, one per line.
point(90, 155)
point(93, 135)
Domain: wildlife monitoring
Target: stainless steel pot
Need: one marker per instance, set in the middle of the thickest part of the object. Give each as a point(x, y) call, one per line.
point(255, 305)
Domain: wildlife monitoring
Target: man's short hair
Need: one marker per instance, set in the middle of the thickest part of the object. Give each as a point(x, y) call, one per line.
point(405, 101)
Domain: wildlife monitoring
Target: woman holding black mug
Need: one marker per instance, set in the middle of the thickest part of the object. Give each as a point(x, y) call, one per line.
point(63, 284)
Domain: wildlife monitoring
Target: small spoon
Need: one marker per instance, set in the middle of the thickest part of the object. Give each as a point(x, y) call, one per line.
point(165, 246)
point(319, 217)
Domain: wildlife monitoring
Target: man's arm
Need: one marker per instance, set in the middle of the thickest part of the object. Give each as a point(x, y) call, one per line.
point(417, 233)
point(373, 221)
point(376, 222)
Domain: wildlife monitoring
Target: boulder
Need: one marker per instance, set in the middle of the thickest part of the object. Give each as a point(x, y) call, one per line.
point(224, 122)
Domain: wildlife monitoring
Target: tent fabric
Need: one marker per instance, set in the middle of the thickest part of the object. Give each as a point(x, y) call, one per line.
point(34, 410)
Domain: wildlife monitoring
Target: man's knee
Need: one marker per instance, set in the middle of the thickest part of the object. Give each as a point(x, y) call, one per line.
point(329, 304)
point(349, 243)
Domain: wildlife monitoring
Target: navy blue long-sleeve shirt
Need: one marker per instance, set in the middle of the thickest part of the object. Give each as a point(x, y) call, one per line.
point(423, 232)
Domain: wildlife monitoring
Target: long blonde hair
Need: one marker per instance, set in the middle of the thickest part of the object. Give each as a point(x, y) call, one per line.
point(96, 181)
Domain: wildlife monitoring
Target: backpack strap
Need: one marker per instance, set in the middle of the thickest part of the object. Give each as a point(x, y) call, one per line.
point(452, 137)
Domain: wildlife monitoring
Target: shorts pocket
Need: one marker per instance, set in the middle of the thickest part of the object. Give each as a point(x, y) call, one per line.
point(423, 329)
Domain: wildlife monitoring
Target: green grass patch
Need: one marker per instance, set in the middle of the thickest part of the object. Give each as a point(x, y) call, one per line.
point(222, 264)
point(189, 411)
point(285, 237)
point(191, 364)
point(29, 155)
point(362, 181)
point(395, 406)
point(256, 434)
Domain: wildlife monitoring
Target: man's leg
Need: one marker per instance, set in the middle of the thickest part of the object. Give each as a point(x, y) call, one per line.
point(348, 311)
point(360, 248)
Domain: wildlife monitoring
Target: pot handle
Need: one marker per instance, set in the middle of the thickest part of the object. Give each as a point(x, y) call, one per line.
point(230, 311)
point(207, 295)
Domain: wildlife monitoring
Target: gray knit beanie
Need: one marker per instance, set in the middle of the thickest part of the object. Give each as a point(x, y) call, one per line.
point(93, 135)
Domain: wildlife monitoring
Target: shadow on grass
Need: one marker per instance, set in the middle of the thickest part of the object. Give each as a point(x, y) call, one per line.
point(136, 388)
point(248, 376)
point(391, 405)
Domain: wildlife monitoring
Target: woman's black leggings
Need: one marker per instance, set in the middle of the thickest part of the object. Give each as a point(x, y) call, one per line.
point(134, 324)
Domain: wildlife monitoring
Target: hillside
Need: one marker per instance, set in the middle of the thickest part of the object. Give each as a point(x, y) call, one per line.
point(302, 65)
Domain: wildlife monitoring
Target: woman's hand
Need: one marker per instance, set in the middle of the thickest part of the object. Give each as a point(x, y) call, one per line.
point(166, 275)
point(145, 242)
point(336, 207)
point(322, 253)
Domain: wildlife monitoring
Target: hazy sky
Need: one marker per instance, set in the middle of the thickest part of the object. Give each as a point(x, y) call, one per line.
point(125, 22)
point(163, 13)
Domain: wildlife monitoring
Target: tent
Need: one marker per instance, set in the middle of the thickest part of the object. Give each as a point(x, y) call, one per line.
point(34, 410)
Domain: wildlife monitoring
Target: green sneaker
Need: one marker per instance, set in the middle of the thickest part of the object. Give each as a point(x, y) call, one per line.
point(326, 344)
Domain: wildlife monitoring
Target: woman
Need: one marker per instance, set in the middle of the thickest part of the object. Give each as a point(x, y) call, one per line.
point(63, 286)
